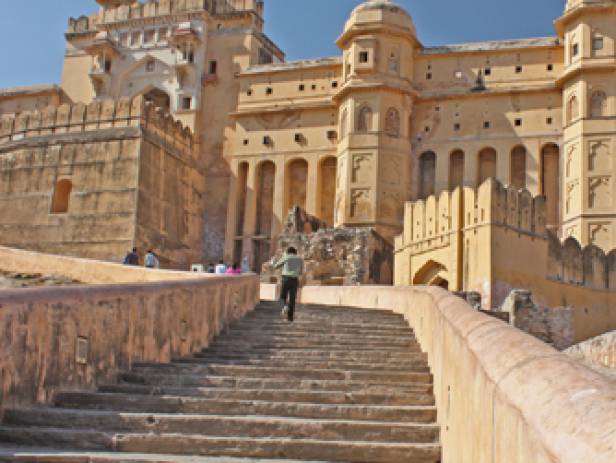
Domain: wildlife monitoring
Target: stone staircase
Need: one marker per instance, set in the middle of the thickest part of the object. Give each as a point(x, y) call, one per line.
point(339, 384)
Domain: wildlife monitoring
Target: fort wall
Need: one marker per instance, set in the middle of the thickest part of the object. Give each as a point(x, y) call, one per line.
point(501, 244)
point(83, 179)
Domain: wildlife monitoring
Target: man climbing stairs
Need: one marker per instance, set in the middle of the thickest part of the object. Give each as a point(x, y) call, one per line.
point(340, 384)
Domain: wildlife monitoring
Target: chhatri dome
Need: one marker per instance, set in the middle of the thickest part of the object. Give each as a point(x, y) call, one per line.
point(380, 13)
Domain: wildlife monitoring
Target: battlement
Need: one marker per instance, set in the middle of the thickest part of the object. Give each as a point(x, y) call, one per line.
point(430, 223)
point(153, 8)
point(98, 116)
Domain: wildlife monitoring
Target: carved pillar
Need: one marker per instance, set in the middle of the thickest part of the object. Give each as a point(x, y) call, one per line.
point(312, 187)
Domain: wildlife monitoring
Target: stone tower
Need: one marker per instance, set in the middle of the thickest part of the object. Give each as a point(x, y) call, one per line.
point(375, 104)
point(587, 29)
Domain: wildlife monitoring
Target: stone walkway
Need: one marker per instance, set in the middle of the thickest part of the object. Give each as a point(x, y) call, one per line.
point(337, 385)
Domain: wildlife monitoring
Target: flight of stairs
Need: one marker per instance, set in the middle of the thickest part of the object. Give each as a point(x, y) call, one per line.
point(339, 384)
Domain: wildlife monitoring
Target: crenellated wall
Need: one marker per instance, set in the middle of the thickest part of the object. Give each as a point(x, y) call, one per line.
point(492, 240)
point(95, 180)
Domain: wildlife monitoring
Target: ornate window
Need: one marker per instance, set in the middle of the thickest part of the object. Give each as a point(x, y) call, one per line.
point(392, 123)
point(343, 123)
point(573, 109)
point(598, 104)
point(364, 119)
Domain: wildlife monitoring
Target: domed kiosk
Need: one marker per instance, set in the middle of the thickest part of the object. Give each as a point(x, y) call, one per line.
point(378, 14)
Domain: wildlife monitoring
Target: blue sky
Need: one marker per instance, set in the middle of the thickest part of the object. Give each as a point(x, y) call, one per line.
point(31, 31)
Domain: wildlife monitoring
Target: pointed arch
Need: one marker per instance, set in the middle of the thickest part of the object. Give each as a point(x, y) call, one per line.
point(364, 119)
point(598, 104)
point(392, 123)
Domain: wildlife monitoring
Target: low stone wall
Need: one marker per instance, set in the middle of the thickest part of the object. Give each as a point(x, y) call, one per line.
point(502, 395)
point(85, 270)
point(72, 338)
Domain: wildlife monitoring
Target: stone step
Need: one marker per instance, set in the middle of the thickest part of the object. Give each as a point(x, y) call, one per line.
point(306, 320)
point(125, 403)
point(263, 383)
point(239, 373)
point(421, 395)
point(290, 347)
point(419, 365)
point(223, 426)
point(220, 446)
point(42, 455)
point(295, 371)
point(319, 339)
point(311, 354)
point(280, 324)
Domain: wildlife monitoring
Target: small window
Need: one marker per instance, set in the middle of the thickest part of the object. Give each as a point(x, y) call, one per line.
point(186, 103)
point(269, 90)
point(302, 87)
point(334, 84)
point(124, 38)
point(107, 65)
point(575, 49)
point(597, 43)
point(486, 124)
point(135, 39)
point(363, 56)
point(456, 126)
point(518, 122)
point(518, 69)
point(213, 67)
point(249, 92)
point(150, 66)
point(245, 141)
point(550, 67)
point(458, 74)
point(487, 71)
point(314, 87)
point(148, 36)
point(548, 121)
point(437, 108)
point(163, 32)
point(429, 76)
point(61, 197)
point(426, 129)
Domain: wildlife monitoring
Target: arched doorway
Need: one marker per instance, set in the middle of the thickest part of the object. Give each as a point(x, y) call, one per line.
point(432, 274)
point(456, 169)
point(518, 168)
point(550, 168)
point(487, 165)
point(158, 98)
point(427, 174)
point(327, 189)
point(296, 179)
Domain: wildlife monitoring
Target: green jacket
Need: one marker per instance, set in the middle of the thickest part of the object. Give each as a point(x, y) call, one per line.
point(292, 266)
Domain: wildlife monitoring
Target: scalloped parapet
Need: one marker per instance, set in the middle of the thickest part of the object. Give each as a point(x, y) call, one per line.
point(98, 116)
point(431, 222)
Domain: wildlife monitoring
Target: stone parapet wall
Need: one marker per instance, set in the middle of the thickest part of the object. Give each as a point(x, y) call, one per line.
point(502, 395)
point(599, 353)
point(73, 338)
point(97, 116)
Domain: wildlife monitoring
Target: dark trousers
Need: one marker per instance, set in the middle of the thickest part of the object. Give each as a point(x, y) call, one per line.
point(289, 294)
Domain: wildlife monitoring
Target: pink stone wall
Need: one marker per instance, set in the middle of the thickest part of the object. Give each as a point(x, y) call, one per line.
point(122, 324)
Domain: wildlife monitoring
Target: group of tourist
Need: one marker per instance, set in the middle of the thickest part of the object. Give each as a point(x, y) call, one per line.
point(150, 261)
point(291, 264)
point(230, 269)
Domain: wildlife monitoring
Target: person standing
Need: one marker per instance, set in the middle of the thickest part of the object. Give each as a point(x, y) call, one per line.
point(132, 258)
point(211, 268)
point(221, 268)
point(292, 268)
point(246, 265)
point(151, 261)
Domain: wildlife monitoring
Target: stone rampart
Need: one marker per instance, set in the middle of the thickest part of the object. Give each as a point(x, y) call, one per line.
point(98, 116)
point(72, 338)
point(599, 353)
point(502, 395)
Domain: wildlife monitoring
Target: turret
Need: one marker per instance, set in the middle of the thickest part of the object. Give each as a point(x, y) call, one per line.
point(589, 182)
point(375, 105)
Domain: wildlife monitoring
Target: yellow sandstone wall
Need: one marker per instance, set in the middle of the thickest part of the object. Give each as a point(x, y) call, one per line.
point(116, 158)
point(492, 240)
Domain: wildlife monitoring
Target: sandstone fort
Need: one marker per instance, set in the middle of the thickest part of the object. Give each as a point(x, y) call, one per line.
point(450, 188)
